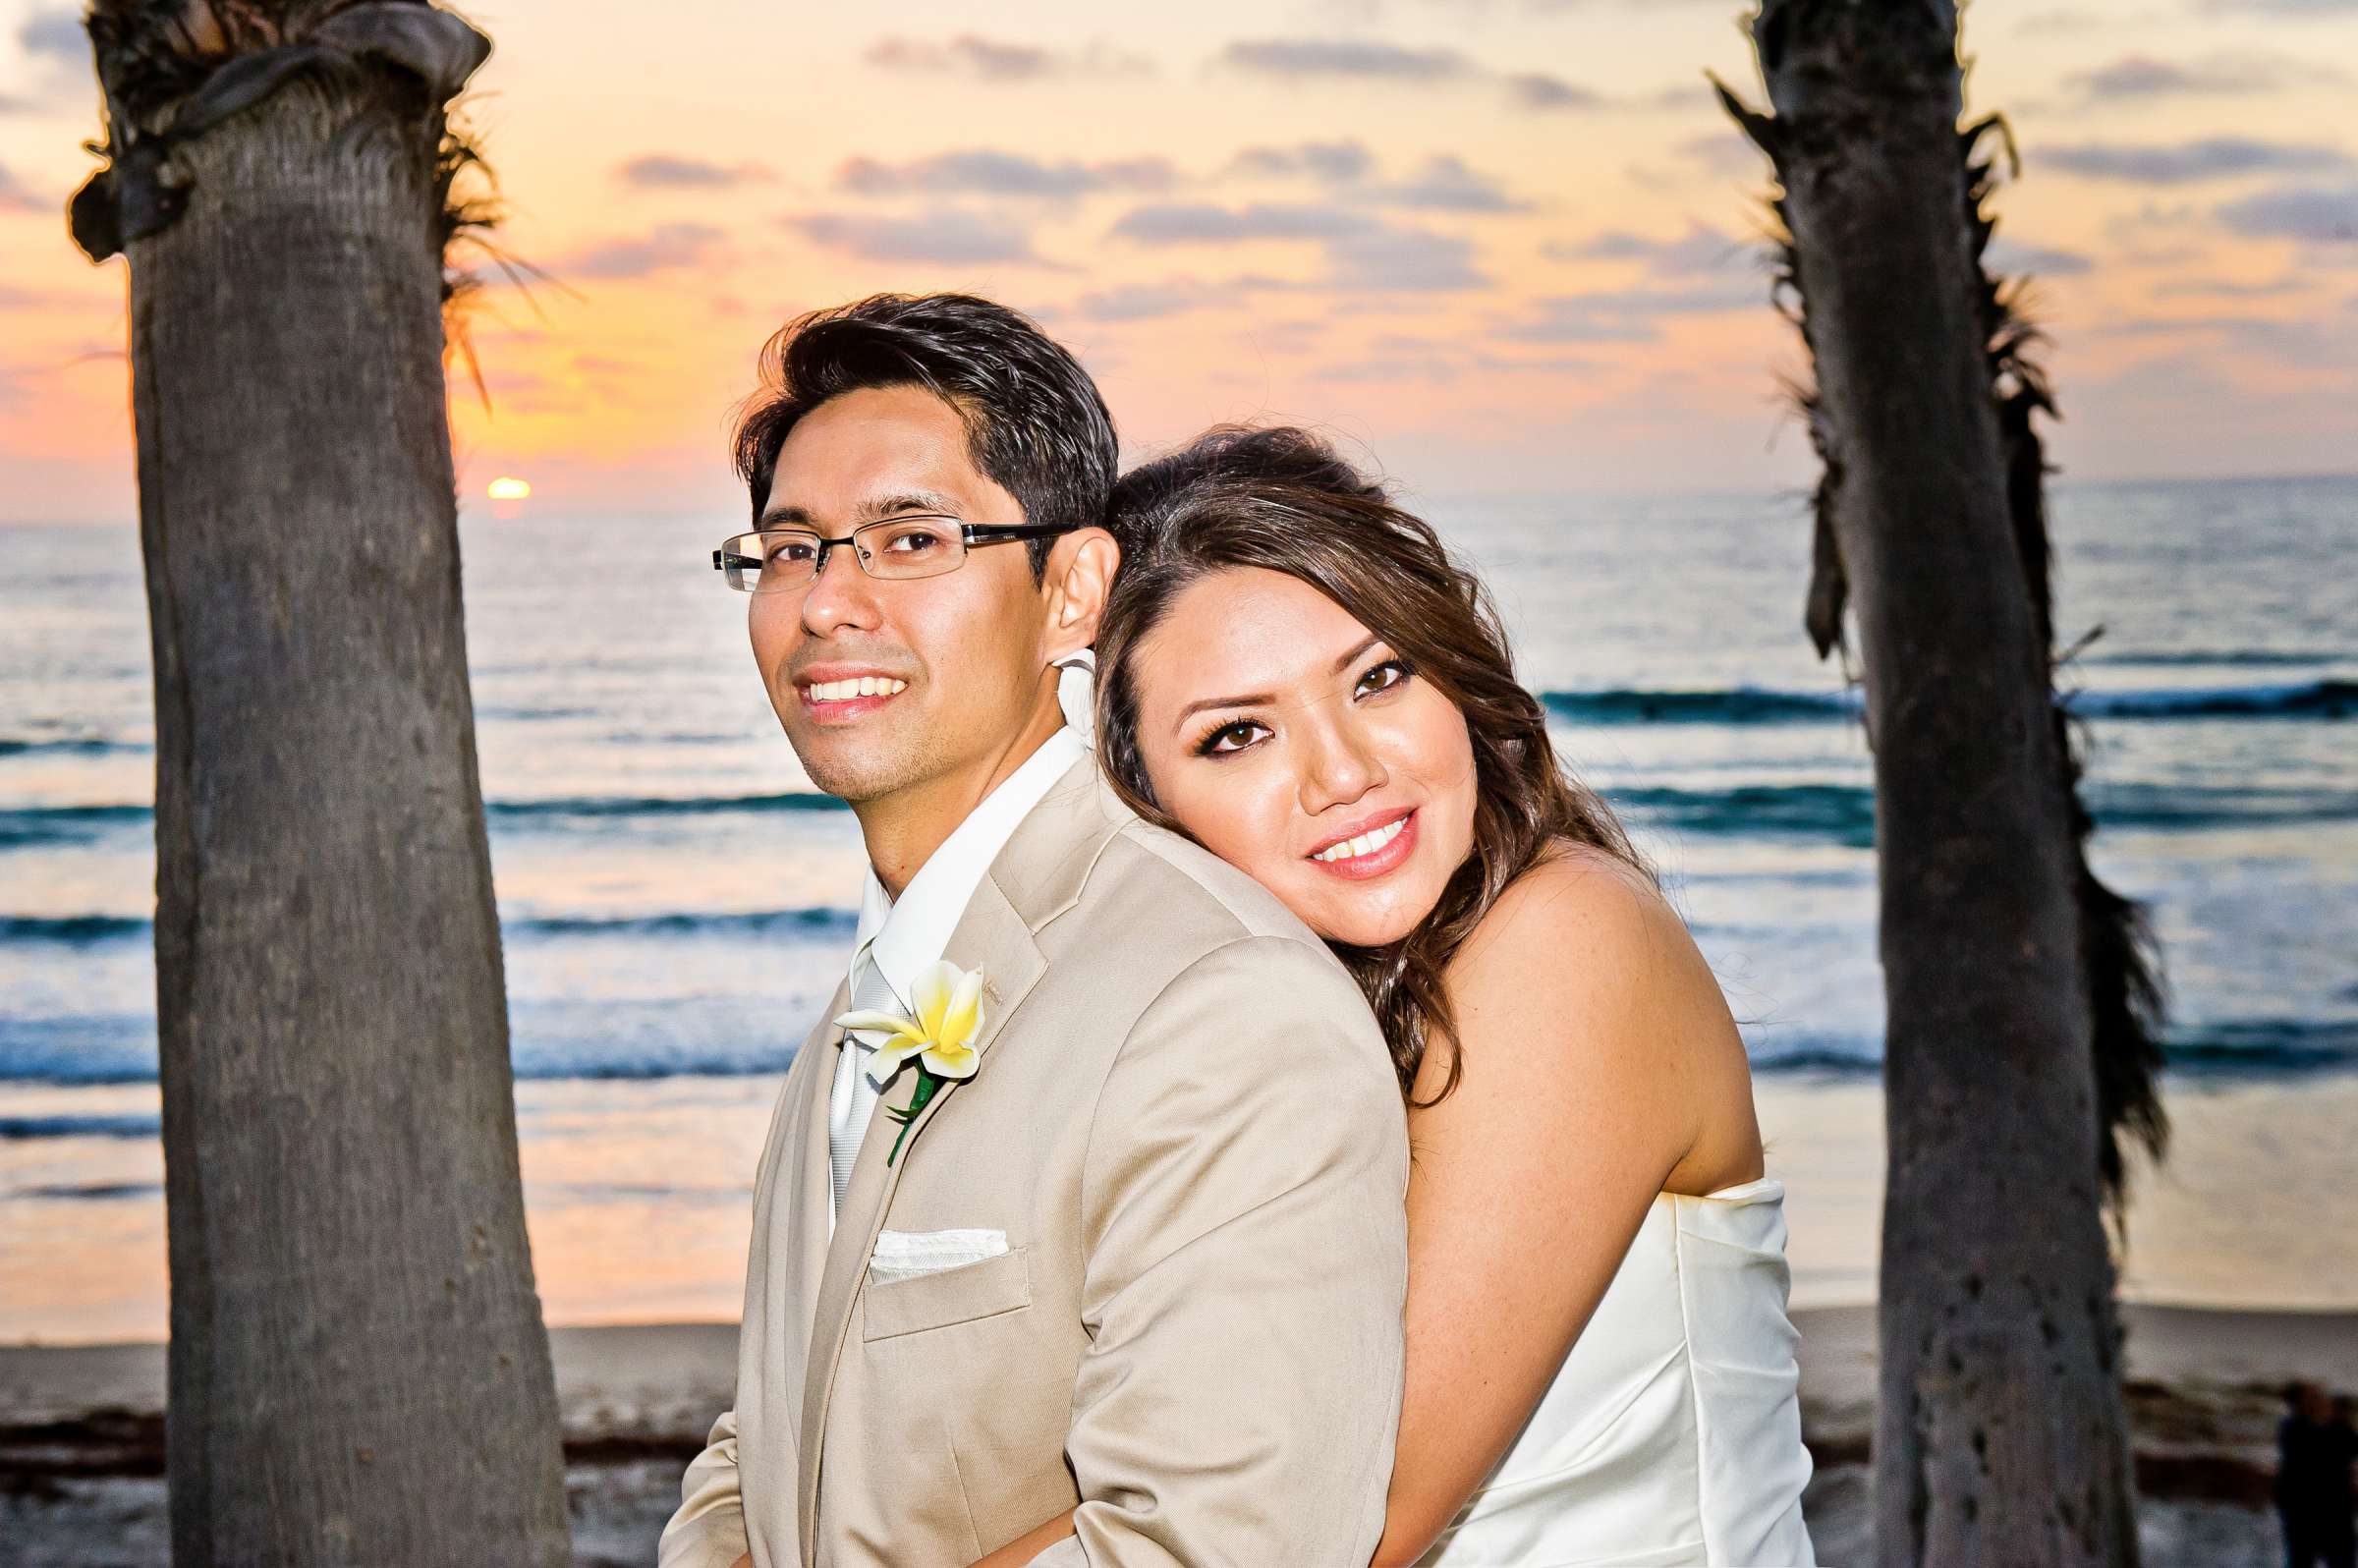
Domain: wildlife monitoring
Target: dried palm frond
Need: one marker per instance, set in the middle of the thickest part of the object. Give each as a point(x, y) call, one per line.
point(2119, 959)
point(2120, 962)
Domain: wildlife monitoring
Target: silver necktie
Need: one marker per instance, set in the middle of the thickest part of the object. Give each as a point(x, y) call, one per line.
point(852, 1099)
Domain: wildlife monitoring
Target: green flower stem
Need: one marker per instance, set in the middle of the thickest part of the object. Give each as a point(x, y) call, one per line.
point(927, 1083)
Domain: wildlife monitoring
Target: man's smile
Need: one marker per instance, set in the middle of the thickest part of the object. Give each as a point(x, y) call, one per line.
point(843, 697)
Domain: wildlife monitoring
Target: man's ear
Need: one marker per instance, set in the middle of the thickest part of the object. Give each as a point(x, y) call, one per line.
point(1080, 572)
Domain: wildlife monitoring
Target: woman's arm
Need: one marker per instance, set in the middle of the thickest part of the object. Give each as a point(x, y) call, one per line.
point(1601, 1068)
point(1031, 1543)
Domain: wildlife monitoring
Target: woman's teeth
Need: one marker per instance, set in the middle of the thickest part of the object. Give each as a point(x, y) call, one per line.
point(1352, 849)
point(845, 691)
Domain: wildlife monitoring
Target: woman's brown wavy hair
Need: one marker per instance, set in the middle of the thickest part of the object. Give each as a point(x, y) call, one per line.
point(1282, 500)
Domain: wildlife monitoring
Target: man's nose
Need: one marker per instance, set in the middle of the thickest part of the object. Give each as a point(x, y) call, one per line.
point(840, 595)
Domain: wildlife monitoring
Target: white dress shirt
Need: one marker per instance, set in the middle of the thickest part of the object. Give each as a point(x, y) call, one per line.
point(900, 938)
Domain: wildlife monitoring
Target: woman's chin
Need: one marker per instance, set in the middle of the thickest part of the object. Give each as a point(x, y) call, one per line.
point(1379, 926)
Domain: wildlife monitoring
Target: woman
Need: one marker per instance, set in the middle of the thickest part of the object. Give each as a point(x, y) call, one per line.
point(1296, 674)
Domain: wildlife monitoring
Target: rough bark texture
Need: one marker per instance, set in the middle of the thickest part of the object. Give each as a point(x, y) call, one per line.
point(359, 1373)
point(2001, 1438)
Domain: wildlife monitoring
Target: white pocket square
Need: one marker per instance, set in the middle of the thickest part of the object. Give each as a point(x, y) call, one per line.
point(908, 1254)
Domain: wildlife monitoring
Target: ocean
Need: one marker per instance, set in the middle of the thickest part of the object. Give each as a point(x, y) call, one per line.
point(676, 901)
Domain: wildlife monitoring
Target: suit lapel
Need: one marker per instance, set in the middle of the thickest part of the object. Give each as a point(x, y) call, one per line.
point(993, 937)
point(808, 1220)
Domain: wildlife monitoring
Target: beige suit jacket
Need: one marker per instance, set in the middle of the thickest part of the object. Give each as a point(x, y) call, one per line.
point(1187, 1126)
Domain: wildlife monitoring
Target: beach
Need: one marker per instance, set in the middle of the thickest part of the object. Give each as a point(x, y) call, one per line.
point(81, 1447)
point(2256, 1206)
point(2231, 1290)
point(640, 1198)
point(2240, 1274)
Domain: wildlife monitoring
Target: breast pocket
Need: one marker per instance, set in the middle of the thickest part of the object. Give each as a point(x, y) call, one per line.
point(995, 1285)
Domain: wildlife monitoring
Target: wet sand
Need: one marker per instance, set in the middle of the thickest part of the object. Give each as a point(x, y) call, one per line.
point(640, 1198)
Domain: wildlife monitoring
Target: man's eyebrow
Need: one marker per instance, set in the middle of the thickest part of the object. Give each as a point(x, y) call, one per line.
point(899, 503)
point(1259, 698)
point(903, 503)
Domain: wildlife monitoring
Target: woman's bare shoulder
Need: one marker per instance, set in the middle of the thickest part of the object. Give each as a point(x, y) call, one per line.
point(1587, 959)
point(1585, 956)
point(1580, 904)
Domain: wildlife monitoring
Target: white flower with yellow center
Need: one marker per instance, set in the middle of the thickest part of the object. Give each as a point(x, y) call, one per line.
point(941, 1037)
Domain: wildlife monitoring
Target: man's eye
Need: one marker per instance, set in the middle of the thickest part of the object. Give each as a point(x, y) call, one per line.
point(1383, 677)
point(913, 541)
point(789, 551)
point(1228, 739)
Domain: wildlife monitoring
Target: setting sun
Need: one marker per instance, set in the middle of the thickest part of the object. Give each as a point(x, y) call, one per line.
point(508, 489)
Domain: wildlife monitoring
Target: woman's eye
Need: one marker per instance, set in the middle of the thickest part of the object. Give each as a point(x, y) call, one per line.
point(1383, 677)
point(1228, 739)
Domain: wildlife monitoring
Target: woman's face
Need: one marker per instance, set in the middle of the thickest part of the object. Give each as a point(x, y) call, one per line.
point(1299, 748)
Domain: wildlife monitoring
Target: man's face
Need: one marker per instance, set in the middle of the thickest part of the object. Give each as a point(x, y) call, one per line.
point(960, 658)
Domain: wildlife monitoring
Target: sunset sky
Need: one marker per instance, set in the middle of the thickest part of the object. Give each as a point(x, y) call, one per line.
point(1509, 245)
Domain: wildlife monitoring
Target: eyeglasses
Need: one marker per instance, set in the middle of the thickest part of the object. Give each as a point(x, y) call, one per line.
point(893, 549)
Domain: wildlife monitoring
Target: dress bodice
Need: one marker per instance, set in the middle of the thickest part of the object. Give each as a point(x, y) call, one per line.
point(1671, 1434)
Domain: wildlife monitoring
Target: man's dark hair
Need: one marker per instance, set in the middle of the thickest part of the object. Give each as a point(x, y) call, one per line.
point(1035, 424)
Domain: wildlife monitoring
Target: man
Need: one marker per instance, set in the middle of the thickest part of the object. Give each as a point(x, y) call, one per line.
point(2316, 1450)
point(1138, 1250)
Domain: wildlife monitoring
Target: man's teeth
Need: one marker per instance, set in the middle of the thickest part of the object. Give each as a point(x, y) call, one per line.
point(845, 691)
point(1352, 849)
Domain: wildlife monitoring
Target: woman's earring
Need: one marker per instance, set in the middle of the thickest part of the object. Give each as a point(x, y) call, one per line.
point(1077, 692)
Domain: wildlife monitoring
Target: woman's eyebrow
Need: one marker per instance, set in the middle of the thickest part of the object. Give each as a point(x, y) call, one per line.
point(1192, 709)
point(1258, 698)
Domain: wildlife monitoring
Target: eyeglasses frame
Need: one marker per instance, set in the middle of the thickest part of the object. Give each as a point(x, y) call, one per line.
point(970, 534)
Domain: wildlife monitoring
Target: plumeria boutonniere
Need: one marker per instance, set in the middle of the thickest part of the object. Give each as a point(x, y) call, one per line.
point(941, 1037)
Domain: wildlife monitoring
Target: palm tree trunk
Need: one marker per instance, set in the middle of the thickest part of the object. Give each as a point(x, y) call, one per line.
point(359, 1373)
point(2001, 1436)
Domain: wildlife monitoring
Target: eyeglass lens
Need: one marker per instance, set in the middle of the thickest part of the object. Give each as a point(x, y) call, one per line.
point(779, 559)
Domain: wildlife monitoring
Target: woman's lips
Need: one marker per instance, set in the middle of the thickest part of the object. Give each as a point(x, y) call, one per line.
point(1382, 855)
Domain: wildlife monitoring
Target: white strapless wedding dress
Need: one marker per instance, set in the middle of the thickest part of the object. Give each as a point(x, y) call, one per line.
point(1671, 1434)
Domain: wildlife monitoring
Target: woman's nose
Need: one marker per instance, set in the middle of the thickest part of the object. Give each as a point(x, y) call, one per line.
point(1342, 767)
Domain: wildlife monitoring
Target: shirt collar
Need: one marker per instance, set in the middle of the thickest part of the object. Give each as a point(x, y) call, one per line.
point(906, 934)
